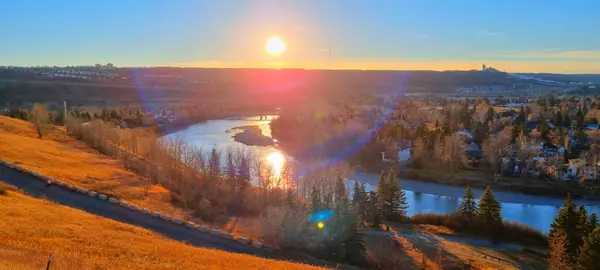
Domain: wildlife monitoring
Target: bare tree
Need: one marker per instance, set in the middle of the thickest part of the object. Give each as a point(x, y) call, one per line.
point(481, 112)
point(40, 117)
point(525, 151)
point(454, 153)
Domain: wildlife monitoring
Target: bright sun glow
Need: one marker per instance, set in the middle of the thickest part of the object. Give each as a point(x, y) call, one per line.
point(275, 46)
point(276, 160)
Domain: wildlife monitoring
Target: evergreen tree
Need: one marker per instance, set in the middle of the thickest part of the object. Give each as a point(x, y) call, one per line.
point(583, 226)
point(359, 199)
point(489, 212)
point(383, 195)
point(593, 222)
point(373, 216)
point(354, 244)
point(468, 206)
point(566, 222)
point(356, 194)
point(396, 200)
point(589, 256)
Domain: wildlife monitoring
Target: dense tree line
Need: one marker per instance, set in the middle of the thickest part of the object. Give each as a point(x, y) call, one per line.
point(574, 238)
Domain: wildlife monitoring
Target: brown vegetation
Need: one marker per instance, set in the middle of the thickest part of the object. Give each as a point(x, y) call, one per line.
point(60, 156)
point(509, 231)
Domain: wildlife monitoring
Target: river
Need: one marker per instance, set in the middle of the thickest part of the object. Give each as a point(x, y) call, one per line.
point(535, 211)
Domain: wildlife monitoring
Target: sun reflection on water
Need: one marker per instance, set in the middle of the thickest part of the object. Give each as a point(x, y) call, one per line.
point(276, 161)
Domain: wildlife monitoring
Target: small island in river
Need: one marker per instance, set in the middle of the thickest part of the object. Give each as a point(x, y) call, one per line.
point(252, 135)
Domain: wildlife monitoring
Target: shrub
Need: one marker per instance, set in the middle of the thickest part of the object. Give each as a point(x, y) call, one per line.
point(40, 117)
point(509, 231)
point(386, 255)
point(4, 188)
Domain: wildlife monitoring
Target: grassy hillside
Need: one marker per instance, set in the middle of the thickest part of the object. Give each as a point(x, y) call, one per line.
point(60, 156)
point(31, 228)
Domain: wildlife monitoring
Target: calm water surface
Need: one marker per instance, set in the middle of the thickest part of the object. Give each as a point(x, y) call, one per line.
point(535, 211)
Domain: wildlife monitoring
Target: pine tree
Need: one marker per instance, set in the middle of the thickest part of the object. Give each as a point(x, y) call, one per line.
point(566, 222)
point(359, 198)
point(356, 196)
point(353, 242)
point(589, 256)
point(468, 206)
point(373, 216)
point(489, 213)
point(592, 222)
point(583, 226)
point(383, 195)
point(396, 200)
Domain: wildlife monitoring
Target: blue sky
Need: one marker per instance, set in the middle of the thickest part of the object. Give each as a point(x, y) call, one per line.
point(531, 35)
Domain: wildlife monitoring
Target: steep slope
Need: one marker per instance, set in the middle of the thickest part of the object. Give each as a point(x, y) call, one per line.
point(60, 156)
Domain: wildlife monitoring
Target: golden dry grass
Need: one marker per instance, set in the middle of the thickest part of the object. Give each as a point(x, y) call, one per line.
point(60, 156)
point(31, 228)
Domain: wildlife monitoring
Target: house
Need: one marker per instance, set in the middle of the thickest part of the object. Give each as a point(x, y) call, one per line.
point(474, 154)
point(404, 147)
point(577, 168)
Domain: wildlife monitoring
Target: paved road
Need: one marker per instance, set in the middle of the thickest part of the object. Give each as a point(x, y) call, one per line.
point(92, 205)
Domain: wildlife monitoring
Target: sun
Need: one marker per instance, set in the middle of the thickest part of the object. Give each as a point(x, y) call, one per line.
point(275, 46)
point(276, 160)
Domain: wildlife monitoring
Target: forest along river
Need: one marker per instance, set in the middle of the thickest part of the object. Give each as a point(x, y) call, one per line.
point(535, 211)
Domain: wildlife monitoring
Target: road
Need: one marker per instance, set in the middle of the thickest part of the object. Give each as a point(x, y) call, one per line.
point(92, 205)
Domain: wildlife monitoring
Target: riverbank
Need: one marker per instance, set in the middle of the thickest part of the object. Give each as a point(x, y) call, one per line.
point(480, 179)
point(252, 135)
point(528, 186)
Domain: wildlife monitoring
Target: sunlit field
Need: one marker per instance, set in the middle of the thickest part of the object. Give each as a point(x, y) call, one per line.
point(31, 228)
point(60, 156)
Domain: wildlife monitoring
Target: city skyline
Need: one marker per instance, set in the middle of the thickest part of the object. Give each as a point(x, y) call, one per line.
point(535, 36)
